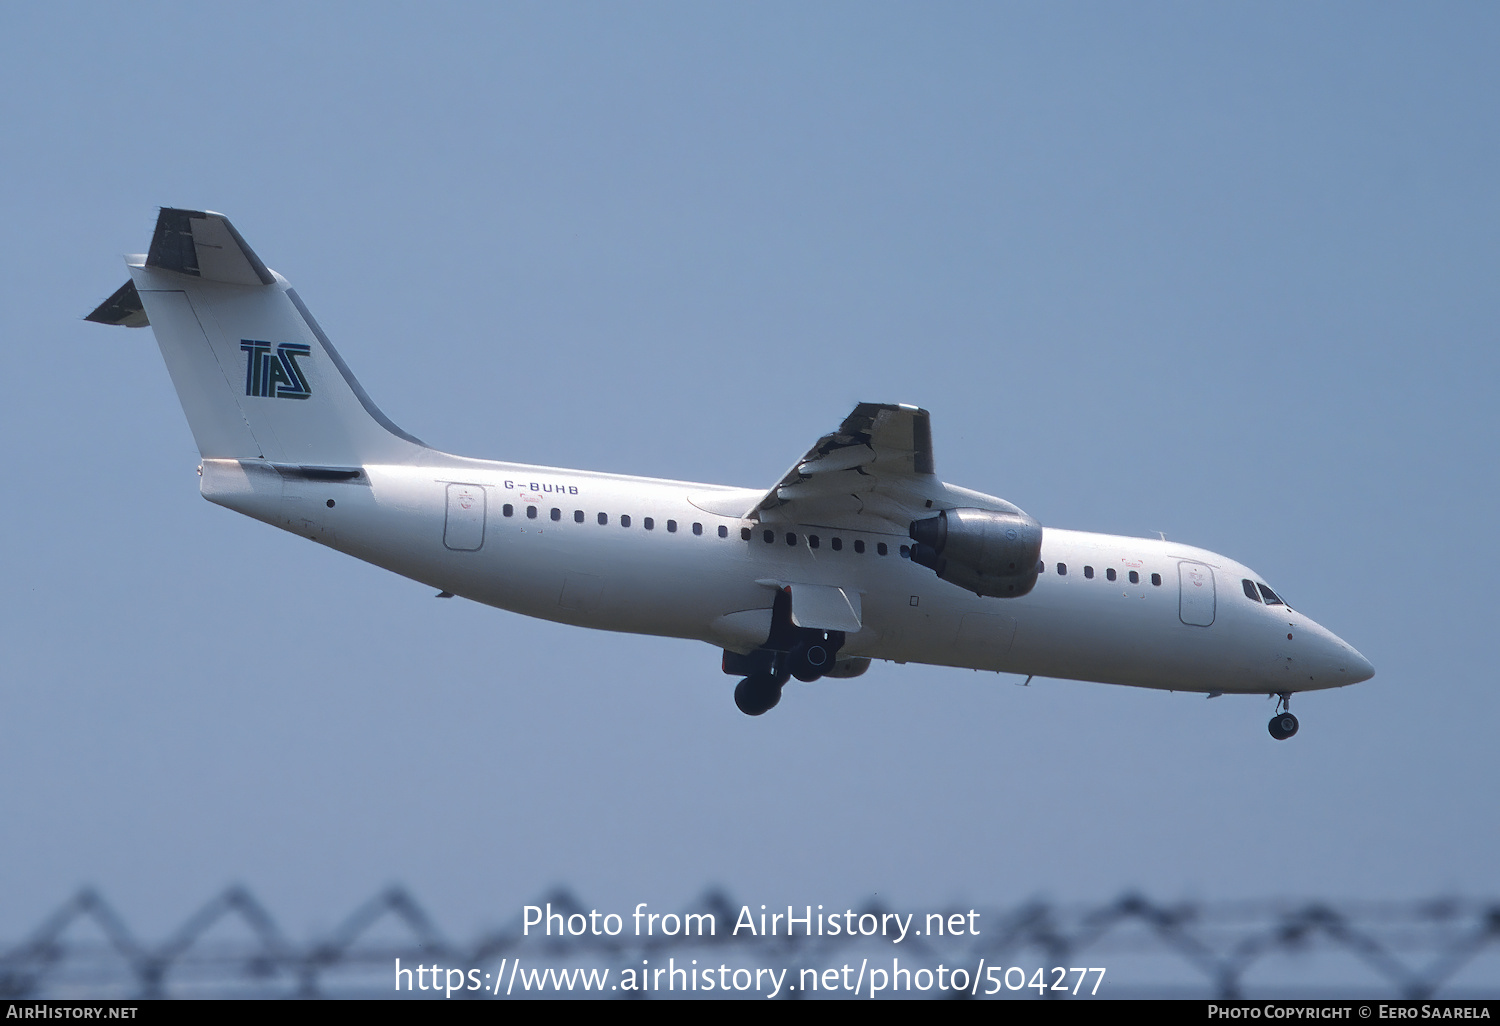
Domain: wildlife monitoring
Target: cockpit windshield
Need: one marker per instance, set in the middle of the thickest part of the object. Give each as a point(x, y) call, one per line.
point(1272, 599)
point(1256, 592)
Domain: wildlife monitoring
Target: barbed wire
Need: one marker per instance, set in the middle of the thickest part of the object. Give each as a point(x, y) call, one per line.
point(1412, 949)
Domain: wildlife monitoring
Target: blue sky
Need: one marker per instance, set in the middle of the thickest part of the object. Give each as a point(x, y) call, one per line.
point(1222, 271)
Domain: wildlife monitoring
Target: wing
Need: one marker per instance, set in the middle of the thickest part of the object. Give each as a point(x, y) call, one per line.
point(877, 464)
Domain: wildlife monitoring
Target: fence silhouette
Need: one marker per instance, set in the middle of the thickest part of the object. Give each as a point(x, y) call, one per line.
point(1417, 949)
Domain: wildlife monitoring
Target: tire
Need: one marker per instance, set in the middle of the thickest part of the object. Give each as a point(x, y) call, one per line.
point(1282, 726)
point(757, 694)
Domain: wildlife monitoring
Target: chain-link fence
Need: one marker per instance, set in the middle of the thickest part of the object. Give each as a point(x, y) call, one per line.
point(232, 947)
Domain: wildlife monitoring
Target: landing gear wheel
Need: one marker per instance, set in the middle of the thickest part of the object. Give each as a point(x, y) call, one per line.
point(1283, 726)
point(811, 662)
point(757, 694)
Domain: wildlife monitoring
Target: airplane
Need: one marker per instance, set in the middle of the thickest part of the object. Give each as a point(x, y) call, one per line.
point(859, 552)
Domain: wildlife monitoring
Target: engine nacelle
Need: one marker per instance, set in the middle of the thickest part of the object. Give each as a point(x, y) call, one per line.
point(982, 550)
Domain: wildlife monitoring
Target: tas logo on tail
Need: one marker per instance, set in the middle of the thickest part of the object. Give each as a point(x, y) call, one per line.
point(275, 374)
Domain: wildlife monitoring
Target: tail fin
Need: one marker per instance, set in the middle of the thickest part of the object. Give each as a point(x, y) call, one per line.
point(255, 374)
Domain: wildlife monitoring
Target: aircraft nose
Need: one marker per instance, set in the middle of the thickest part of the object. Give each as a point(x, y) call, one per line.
point(1357, 668)
point(1343, 663)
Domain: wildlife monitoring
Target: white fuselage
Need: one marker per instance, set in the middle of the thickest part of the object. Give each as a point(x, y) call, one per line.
point(530, 539)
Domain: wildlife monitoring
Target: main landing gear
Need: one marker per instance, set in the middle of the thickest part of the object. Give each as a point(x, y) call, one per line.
point(1283, 725)
point(790, 651)
point(758, 693)
point(766, 669)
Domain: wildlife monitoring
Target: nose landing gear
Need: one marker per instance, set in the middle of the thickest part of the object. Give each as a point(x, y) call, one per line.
point(1283, 725)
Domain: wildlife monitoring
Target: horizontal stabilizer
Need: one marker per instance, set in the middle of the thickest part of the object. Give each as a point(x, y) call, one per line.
point(205, 245)
point(124, 308)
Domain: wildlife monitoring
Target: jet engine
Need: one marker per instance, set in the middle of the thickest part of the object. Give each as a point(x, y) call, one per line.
point(984, 551)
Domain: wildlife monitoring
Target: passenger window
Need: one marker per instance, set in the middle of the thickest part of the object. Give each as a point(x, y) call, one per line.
point(812, 541)
point(697, 528)
point(1062, 569)
point(603, 519)
point(530, 512)
point(1109, 574)
point(1271, 597)
point(509, 510)
point(906, 552)
point(1135, 578)
point(1088, 573)
point(1250, 592)
point(624, 519)
point(649, 524)
point(880, 549)
point(723, 531)
point(556, 513)
point(671, 527)
point(1156, 580)
point(769, 536)
point(859, 545)
point(1041, 567)
point(838, 544)
point(578, 516)
point(744, 533)
point(791, 539)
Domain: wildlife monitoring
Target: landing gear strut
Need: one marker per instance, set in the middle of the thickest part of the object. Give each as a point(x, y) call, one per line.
point(1283, 725)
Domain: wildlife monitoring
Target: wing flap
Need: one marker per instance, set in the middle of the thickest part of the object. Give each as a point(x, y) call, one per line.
point(879, 447)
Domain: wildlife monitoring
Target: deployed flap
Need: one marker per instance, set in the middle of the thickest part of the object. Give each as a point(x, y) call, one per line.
point(880, 447)
point(825, 608)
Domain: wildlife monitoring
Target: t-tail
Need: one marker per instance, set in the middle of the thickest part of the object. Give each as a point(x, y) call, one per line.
point(256, 376)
